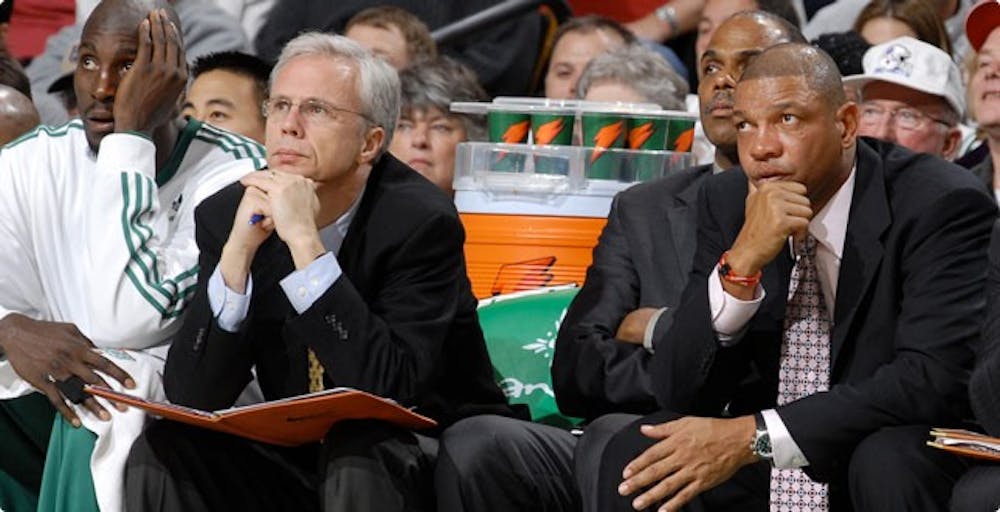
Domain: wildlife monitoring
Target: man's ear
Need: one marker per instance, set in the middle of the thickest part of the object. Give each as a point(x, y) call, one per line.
point(847, 122)
point(952, 141)
point(374, 140)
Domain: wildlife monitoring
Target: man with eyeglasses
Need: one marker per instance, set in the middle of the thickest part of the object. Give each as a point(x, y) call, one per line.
point(911, 94)
point(338, 266)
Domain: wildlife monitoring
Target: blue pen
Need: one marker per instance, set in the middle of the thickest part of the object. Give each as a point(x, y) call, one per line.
point(255, 218)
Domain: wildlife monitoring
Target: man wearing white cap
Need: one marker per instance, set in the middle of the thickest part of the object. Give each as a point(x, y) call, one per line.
point(911, 95)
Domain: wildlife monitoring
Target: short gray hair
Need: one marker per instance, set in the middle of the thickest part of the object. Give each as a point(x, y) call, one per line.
point(641, 69)
point(438, 82)
point(378, 82)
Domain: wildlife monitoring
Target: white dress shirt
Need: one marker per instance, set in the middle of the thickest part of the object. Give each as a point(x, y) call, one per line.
point(730, 315)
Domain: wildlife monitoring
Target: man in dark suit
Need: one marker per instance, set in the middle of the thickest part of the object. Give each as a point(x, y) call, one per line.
point(979, 489)
point(600, 367)
point(835, 362)
point(339, 266)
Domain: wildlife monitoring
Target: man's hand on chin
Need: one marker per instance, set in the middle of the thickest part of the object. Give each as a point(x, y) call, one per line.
point(693, 455)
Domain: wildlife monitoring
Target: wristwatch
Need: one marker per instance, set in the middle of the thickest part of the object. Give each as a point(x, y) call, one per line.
point(760, 445)
point(668, 14)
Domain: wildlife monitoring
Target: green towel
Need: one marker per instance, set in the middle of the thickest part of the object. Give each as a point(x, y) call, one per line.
point(25, 424)
point(67, 484)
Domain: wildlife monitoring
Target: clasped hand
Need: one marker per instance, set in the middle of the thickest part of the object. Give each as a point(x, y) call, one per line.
point(277, 202)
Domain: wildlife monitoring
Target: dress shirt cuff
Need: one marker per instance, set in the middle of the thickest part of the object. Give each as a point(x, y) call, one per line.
point(729, 314)
point(304, 287)
point(647, 336)
point(787, 454)
point(228, 307)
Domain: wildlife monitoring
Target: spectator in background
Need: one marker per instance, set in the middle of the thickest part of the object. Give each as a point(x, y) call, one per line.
point(32, 22)
point(427, 132)
point(984, 85)
point(205, 28)
point(884, 20)
point(11, 72)
point(250, 13)
point(392, 33)
point(576, 43)
point(911, 95)
point(503, 54)
point(717, 11)
point(6, 9)
point(12, 75)
point(62, 87)
point(17, 114)
point(847, 49)
point(227, 91)
point(839, 16)
point(633, 74)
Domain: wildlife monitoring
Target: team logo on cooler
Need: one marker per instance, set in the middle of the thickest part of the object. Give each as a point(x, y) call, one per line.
point(896, 59)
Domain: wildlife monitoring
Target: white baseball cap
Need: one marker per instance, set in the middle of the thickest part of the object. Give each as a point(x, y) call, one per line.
point(914, 64)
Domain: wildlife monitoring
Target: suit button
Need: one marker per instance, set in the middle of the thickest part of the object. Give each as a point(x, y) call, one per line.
point(199, 339)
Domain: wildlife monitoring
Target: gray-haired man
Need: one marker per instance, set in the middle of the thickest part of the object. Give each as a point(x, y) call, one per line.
point(353, 276)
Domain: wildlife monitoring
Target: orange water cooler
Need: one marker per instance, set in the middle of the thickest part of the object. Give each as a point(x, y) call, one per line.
point(526, 230)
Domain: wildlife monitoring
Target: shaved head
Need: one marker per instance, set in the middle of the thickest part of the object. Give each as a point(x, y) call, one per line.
point(17, 114)
point(800, 60)
point(793, 121)
point(127, 13)
point(773, 27)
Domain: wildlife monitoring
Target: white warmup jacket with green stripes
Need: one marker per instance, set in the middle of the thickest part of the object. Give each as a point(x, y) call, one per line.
point(106, 242)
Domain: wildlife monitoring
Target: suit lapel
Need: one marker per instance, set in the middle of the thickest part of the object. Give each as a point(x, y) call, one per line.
point(357, 232)
point(680, 217)
point(863, 249)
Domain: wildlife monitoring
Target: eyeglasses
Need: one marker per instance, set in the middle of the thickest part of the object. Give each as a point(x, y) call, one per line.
point(906, 118)
point(315, 112)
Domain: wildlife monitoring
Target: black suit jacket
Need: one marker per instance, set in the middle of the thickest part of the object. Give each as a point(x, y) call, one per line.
point(642, 259)
point(908, 307)
point(984, 388)
point(400, 322)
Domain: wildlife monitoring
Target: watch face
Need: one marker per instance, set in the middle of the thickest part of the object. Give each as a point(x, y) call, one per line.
point(762, 445)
